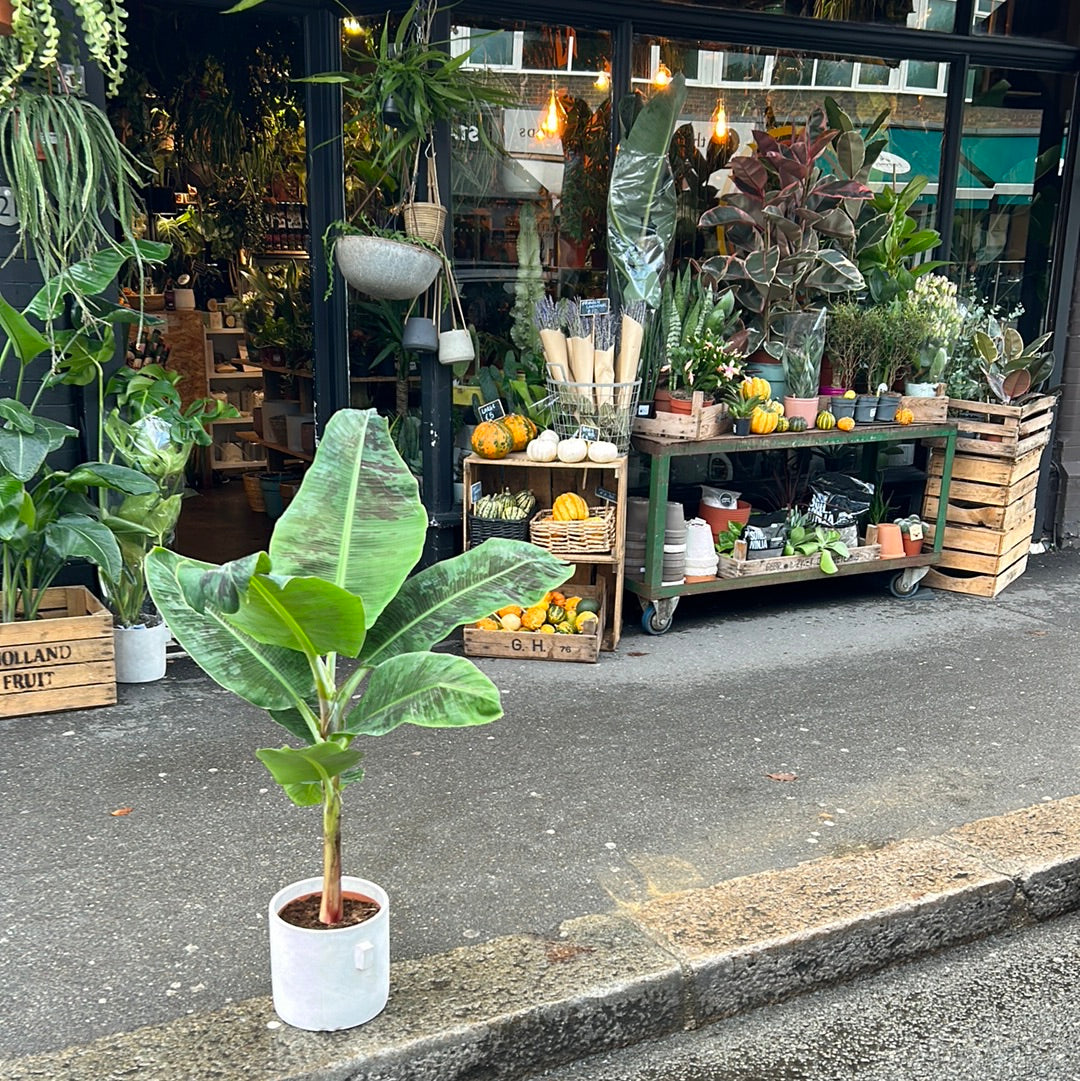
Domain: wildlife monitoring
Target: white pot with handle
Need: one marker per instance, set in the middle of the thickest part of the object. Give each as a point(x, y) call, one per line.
point(333, 978)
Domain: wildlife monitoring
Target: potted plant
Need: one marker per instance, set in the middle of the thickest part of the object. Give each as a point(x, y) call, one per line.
point(806, 540)
point(275, 628)
point(741, 409)
point(932, 303)
point(150, 432)
point(913, 531)
point(788, 235)
point(802, 339)
point(48, 516)
point(77, 184)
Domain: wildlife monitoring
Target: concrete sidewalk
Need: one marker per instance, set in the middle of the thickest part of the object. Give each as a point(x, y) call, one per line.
point(571, 845)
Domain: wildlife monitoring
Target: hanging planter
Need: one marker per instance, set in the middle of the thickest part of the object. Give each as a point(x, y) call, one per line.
point(425, 220)
point(386, 269)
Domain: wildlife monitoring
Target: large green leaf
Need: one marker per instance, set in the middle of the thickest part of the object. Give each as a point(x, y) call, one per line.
point(23, 453)
point(357, 520)
point(266, 676)
point(307, 765)
point(25, 339)
point(118, 478)
point(434, 690)
point(306, 614)
point(461, 590)
point(76, 536)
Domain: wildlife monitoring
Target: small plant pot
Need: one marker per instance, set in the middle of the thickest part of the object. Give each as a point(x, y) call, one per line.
point(891, 540)
point(886, 408)
point(324, 980)
point(140, 653)
point(807, 408)
point(842, 407)
point(911, 547)
point(685, 406)
point(662, 400)
point(742, 424)
point(420, 335)
point(866, 408)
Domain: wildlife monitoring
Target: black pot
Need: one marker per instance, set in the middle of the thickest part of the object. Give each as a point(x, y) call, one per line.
point(842, 407)
point(887, 406)
point(742, 425)
point(391, 114)
point(865, 408)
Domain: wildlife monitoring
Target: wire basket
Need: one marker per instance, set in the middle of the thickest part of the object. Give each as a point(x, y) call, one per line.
point(594, 535)
point(607, 408)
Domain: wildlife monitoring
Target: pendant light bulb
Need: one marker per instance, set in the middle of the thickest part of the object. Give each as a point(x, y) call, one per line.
point(720, 126)
point(552, 123)
point(351, 26)
point(662, 77)
point(603, 80)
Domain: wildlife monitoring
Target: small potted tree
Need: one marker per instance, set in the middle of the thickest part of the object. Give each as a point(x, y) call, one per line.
point(277, 627)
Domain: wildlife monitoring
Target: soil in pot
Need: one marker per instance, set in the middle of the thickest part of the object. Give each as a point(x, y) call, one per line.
point(304, 911)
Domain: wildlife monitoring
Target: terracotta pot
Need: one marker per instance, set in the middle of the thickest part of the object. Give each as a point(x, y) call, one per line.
point(718, 518)
point(891, 540)
point(807, 408)
point(662, 400)
point(681, 405)
point(912, 547)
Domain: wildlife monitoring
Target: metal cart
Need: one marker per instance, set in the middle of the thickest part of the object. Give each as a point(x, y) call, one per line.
point(659, 601)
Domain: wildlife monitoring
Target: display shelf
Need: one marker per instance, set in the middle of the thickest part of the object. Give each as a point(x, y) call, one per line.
point(659, 601)
point(244, 418)
point(237, 467)
point(547, 480)
point(288, 452)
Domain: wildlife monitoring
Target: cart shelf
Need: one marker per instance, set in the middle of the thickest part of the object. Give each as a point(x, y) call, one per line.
point(659, 601)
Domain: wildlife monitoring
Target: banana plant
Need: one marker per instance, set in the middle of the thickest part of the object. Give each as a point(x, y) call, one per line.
point(337, 583)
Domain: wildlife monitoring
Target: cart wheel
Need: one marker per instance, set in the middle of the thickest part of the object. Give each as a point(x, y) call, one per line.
point(652, 623)
point(896, 587)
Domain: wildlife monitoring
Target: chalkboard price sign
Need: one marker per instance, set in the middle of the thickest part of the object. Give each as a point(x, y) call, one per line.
point(490, 410)
point(589, 434)
point(594, 306)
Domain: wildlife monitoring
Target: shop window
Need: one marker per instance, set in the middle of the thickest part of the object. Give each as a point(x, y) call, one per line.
point(1010, 188)
point(1055, 20)
point(835, 73)
point(744, 66)
point(924, 75)
point(793, 70)
point(876, 75)
point(489, 48)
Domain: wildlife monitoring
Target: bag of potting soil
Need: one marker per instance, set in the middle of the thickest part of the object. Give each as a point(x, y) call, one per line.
point(838, 501)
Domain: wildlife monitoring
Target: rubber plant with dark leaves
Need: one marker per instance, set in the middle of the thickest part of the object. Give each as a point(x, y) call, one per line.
point(337, 582)
point(49, 517)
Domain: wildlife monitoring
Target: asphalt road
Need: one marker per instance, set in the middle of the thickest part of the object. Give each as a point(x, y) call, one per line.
point(603, 783)
point(998, 1010)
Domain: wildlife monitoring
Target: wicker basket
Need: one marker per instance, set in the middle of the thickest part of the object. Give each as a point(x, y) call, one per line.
point(253, 491)
point(425, 221)
point(568, 538)
point(482, 529)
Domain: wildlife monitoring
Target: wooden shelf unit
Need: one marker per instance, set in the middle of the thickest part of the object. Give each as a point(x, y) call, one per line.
point(546, 480)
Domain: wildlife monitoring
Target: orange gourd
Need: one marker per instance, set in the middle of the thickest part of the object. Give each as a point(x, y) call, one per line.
point(518, 427)
point(569, 507)
point(845, 424)
point(904, 416)
point(763, 421)
point(492, 439)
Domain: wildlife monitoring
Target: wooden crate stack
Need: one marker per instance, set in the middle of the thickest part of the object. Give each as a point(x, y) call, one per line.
point(990, 515)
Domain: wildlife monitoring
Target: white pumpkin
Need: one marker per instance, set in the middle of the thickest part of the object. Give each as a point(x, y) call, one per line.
point(547, 433)
point(542, 450)
point(572, 450)
point(601, 451)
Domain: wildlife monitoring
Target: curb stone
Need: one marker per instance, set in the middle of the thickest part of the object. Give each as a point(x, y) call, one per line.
point(514, 1005)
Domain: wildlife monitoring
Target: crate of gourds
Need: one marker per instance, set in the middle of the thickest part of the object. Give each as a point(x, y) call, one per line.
point(501, 514)
point(572, 527)
point(566, 624)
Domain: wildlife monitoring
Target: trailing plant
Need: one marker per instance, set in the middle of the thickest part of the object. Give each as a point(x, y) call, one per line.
point(74, 182)
point(41, 41)
point(337, 583)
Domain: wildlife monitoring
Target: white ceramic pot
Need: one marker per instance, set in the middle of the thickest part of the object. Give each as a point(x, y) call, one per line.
point(332, 979)
point(386, 269)
point(140, 653)
point(921, 390)
point(184, 300)
point(455, 347)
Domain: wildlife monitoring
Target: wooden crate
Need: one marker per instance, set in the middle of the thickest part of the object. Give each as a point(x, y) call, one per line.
point(64, 660)
point(960, 513)
point(926, 410)
point(995, 472)
point(745, 568)
point(533, 646)
point(975, 585)
point(1002, 431)
point(703, 422)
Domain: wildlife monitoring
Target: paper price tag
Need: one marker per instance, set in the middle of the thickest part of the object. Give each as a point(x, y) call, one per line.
point(645, 409)
point(915, 531)
point(491, 410)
